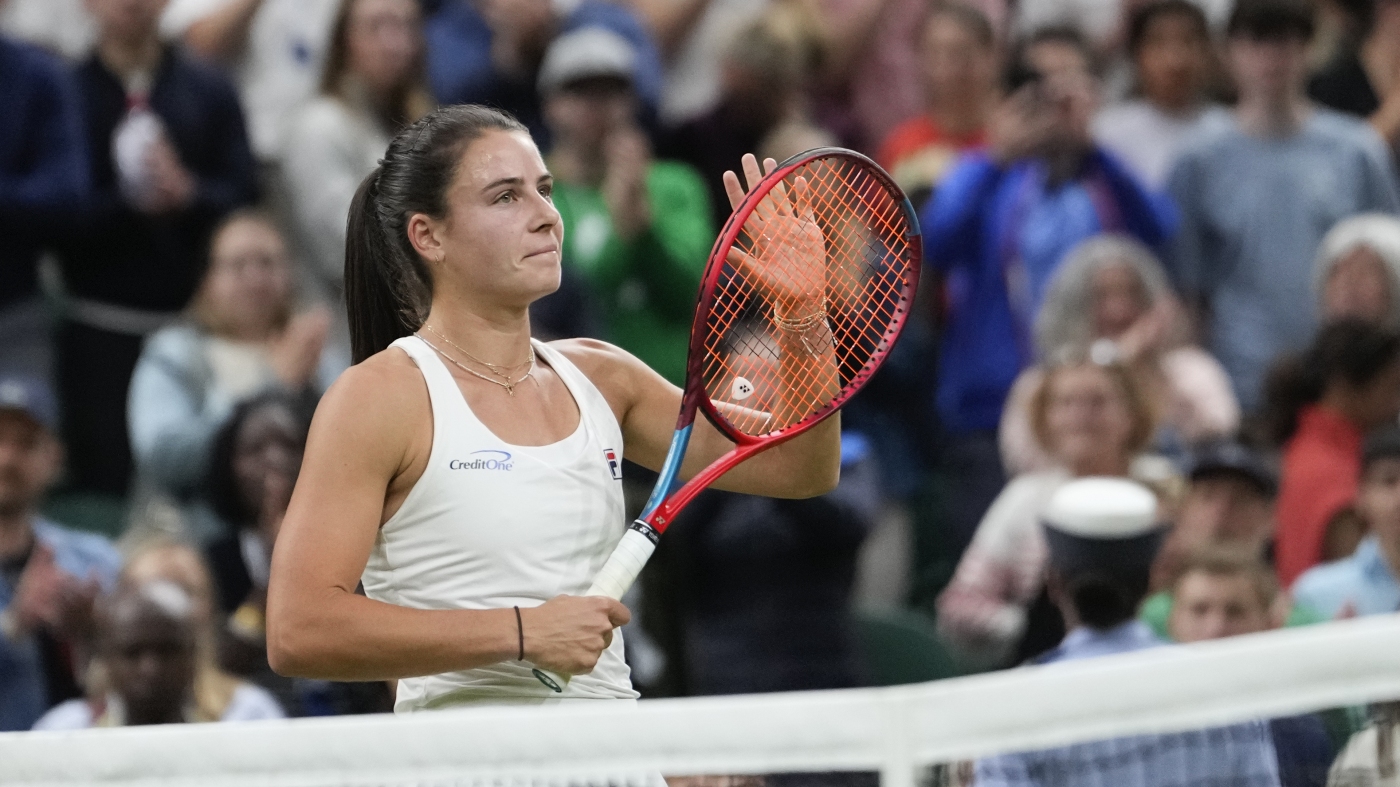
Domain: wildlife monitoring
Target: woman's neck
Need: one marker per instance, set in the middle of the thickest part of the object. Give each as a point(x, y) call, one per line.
point(1340, 401)
point(963, 116)
point(126, 58)
point(498, 335)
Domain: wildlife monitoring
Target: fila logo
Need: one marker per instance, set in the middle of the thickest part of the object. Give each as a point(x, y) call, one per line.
point(613, 464)
point(483, 460)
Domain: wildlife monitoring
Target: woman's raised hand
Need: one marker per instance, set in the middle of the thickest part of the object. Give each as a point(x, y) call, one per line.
point(788, 254)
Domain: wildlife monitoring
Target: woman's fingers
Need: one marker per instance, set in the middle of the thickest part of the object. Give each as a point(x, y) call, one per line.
point(733, 189)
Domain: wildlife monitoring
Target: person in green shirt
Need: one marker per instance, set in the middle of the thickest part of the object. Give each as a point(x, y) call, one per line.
point(637, 230)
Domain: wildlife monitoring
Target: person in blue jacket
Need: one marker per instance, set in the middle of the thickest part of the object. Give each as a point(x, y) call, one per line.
point(49, 575)
point(997, 229)
point(43, 175)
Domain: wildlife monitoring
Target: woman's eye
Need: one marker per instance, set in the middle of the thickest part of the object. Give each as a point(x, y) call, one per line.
point(547, 192)
point(506, 197)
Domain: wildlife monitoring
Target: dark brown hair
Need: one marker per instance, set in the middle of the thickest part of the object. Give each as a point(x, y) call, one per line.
point(1352, 350)
point(387, 285)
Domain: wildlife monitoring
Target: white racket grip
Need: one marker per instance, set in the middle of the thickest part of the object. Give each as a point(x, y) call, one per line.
point(621, 570)
point(613, 580)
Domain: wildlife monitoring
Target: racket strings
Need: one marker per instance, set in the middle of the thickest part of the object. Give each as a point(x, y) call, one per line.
point(865, 283)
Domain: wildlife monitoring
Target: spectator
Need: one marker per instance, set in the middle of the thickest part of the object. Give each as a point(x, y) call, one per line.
point(240, 338)
point(214, 689)
point(1357, 272)
point(169, 159)
point(43, 173)
point(275, 48)
point(1102, 535)
point(1228, 505)
point(959, 52)
point(256, 457)
point(489, 52)
point(1111, 293)
point(1223, 593)
point(768, 69)
point(1322, 405)
point(1364, 80)
point(148, 641)
point(692, 37)
point(1257, 194)
point(49, 575)
point(1367, 582)
point(1169, 41)
point(760, 589)
point(1093, 419)
point(998, 230)
point(1369, 759)
point(639, 228)
point(371, 87)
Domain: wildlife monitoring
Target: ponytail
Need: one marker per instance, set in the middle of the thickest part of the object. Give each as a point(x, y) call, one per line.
point(1349, 350)
point(388, 287)
point(374, 302)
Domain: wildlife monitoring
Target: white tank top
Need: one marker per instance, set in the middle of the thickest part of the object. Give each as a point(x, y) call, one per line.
point(492, 525)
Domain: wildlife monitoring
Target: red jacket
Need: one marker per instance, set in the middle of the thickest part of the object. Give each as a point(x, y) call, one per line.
point(1321, 473)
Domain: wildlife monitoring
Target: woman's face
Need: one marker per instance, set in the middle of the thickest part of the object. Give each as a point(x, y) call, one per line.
point(956, 64)
point(267, 457)
point(1357, 286)
point(383, 42)
point(500, 241)
point(1087, 416)
point(248, 288)
point(1118, 300)
point(1173, 60)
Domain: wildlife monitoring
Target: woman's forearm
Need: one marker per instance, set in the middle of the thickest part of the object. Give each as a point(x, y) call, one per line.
point(343, 636)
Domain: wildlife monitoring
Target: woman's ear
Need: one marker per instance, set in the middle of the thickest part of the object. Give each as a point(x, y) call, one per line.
point(425, 233)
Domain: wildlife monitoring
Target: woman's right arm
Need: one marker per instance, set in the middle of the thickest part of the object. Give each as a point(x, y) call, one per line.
point(372, 426)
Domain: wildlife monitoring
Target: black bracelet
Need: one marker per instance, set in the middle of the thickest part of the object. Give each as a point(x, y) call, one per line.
point(520, 629)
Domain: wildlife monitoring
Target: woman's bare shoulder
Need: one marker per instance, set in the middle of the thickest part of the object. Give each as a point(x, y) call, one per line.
point(606, 365)
point(378, 400)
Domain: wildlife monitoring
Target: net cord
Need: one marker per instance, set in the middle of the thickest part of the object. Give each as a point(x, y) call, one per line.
point(892, 730)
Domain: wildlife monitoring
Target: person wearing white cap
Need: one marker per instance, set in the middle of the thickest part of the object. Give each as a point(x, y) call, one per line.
point(1357, 271)
point(1103, 534)
point(640, 229)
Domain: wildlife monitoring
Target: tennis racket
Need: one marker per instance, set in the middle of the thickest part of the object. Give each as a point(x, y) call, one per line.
point(806, 290)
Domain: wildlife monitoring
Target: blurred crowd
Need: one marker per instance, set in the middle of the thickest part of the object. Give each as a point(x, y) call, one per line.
point(1161, 244)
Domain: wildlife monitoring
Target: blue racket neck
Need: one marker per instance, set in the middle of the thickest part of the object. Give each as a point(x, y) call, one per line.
point(670, 471)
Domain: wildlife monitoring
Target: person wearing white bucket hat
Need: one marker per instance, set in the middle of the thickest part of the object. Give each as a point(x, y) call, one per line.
point(1103, 534)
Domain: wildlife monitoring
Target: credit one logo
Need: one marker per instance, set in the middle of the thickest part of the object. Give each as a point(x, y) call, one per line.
point(483, 460)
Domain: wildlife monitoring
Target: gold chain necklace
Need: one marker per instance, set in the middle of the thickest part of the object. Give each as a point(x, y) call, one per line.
point(500, 370)
point(509, 384)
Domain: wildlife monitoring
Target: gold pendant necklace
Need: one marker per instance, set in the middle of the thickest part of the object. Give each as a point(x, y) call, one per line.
point(500, 370)
point(509, 384)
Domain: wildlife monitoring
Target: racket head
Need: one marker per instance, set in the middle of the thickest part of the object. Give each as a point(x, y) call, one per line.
point(874, 253)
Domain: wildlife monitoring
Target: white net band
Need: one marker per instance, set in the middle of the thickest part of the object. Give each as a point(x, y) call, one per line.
point(894, 731)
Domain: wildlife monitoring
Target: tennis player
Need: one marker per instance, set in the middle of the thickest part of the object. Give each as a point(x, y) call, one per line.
point(469, 475)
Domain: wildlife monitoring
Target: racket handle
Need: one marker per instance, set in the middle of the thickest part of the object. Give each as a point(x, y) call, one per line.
point(621, 570)
point(615, 578)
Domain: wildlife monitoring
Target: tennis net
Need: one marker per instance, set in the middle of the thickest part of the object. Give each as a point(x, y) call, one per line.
point(908, 735)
